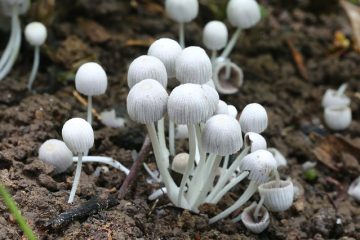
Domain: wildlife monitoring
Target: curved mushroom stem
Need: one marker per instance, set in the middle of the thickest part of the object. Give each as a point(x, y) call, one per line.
point(106, 160)
point(15, 47)
point(190, 164)
point(158, 193)
point(89, 110)
point(35, 67)
point(231, 44)
point(257, 209)
point(182, 35)
point(341, 89)
point(76, 178)
point(228, 186)
point(10, 45)
point(151, 173)
point(250, 190)
point(161, 134)
point(172, 138)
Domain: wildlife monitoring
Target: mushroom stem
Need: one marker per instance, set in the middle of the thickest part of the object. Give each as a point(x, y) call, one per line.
point(158, 193)
point(89, 110)
point(182, 34)
point(228, 186)
point(172, 138)
point(161, 134)
point(106, 160)
point(76, 178)
point(228, 173)
point(341, 89)
point(15, 47)
point(225, 163)
point(151, 173)
point(190, 164)
point(213, 57)
point(257, 209)
point(35, 67)
point(231, 44)
point(9, 46)
point(250, 190)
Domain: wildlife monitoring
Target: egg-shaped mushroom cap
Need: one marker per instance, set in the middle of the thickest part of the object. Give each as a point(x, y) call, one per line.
point(91, 79)
point(215, 35)
point(182, 11)
point(78, 135)
point(147, 67)
point(260, 165)
point(55, 152)
point(35, 33)
point(243, 14)
point(193, 65)
point(147, 101)
point(167, 50)
point(253, 118)
point(222, 135)
point(188, 104)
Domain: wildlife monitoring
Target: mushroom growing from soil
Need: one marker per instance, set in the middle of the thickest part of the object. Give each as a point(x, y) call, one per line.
point(78, 136)
point(251, 222)
point(253, 118)
point(35, 34)
point(215, 37)
point(337, 118)
point(91, 80)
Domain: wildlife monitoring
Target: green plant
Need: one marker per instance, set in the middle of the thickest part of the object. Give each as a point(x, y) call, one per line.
point(11, 205)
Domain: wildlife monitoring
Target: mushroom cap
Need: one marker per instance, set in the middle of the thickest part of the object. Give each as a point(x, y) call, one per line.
point(247, 217)
point(181, 131)
point(146, 102)
point(253, 118)
point(255, 141)
point(147, 67)
point(91, 79)
point(215, 35)
point(7, 6)
point(193, 65)
point(35, 33)
point(243, 13)
point(222, 108)
point(338, 118)
point(212, 97)
point(182, 11)
point(55, 152)
point(78, 135)
point(232, 111)
point(180, 162)
point(354, 189)
point(260, 164)
point(222, 135)
point(331, 99)
point(278, 196)
point(188, 104)
point(167, 50)
point(280, 159)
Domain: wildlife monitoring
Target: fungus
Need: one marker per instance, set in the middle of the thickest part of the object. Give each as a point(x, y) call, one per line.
point(354, 189)
point(232, 111)
point(215, 37)
point(54, 152)
point(255, 141)
point(255, 225)
point(91, 80)
point(35, 34)
point(337, 117)
point(278, 195)
point(334, 98)
point(182, 11)
point(222, 108)
point(253, 118)
point(78, 136)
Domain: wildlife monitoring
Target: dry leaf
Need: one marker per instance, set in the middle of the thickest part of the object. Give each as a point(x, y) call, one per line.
point(139, 42)
point(353, 12)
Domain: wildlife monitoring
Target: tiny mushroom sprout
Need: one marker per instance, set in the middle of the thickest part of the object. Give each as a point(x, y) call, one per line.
point(78, 136)
point(167, 50)
point(35, 34)
point(251, 222)
point(255, 141)
point(12, 8)
point(55, 152)
point(335, 97)
point(253, 118)
point(180, 162)
point(222, 108)
point(182, 11)
point(215, 37)
point(91, 80)
point(337, 117)
point(232, 111)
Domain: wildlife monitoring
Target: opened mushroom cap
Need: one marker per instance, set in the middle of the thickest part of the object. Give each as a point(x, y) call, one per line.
point(278, 195)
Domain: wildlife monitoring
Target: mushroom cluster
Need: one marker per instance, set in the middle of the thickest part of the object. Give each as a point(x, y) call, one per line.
point(213, 131)
point(242, 14)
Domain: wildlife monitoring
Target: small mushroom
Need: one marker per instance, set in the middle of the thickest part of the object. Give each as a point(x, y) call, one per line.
point(253, 118)
point(228, 77)
point(337, 117)
point(249, 221)
point(278, 195)
point(255, 141)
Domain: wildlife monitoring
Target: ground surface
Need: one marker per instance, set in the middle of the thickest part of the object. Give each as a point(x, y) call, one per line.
point(115, 32)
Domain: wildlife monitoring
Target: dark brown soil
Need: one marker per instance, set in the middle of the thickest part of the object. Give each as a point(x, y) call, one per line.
point(114, 33)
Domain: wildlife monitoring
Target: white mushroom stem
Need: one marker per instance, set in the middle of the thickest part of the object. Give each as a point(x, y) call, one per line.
point(158, 193)
point(35, 67)
point(162, 164)
point(161, 134)
point(105, 160)
point(231, 44)
point(257, 209)
point(341, 90)
point(10, 45)
point(190, 164)
point(225, 163)
point(89, 110)
point(228, 186)
point(9, 62)
point(151, 173)
point(227, 175)
point(76, 178)
point(172, 138)
point(250, 190)
point(213, 57)
point(182, 34)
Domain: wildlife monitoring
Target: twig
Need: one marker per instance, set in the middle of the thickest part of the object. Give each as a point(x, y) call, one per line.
point(145, 149)
point(84, 102)
point(298, 59)
point(93, 206)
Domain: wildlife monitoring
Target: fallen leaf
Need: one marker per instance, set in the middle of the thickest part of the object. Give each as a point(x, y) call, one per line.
point(353, 13)
point(139, 42)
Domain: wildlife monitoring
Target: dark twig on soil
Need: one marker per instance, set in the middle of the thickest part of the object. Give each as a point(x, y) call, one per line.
point(145, 149)
point(85, 210)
